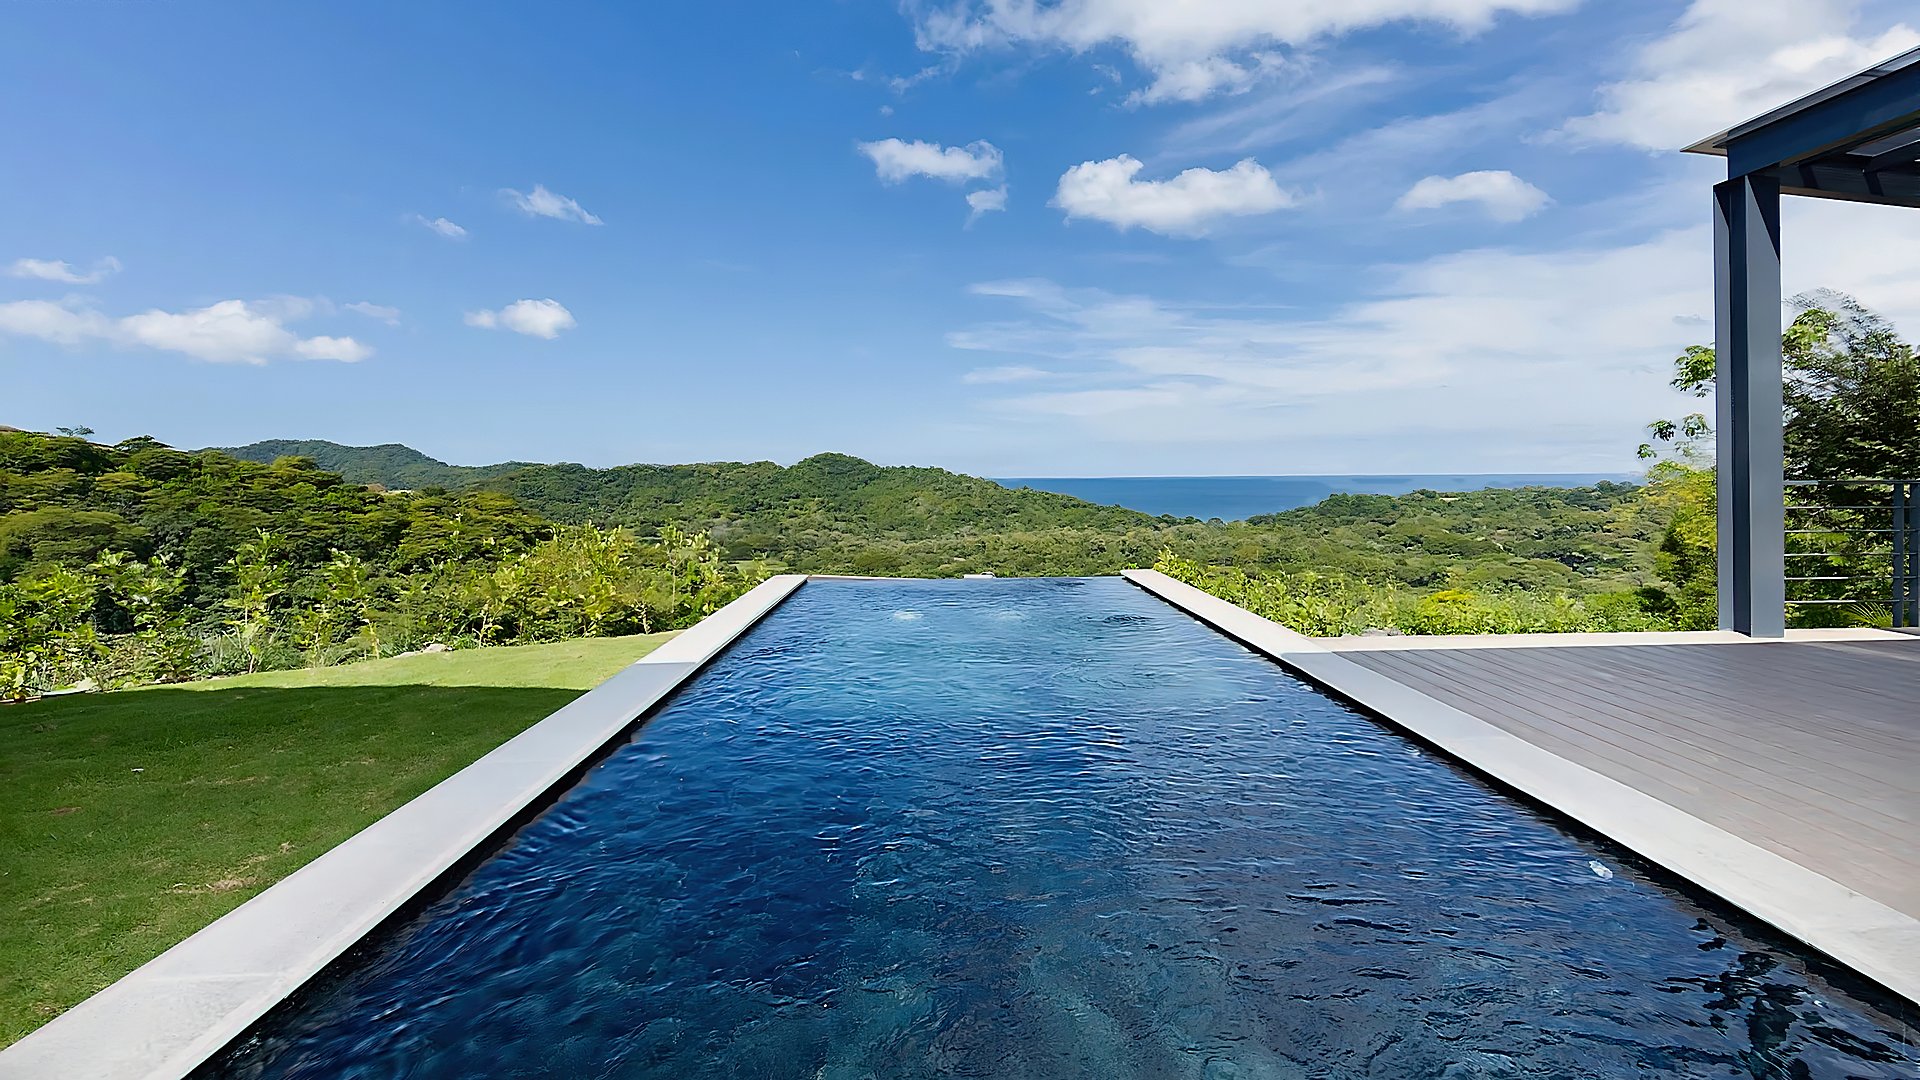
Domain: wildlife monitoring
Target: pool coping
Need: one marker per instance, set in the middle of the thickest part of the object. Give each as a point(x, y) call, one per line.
point(168, 1016)
point(1854, 929)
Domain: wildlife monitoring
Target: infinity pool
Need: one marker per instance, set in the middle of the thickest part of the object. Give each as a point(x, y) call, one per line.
point(1052, 828)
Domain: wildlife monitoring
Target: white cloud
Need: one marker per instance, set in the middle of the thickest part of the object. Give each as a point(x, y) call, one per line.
point(985, 201)
point(534, 318)
point(1193, 50)
point(543, 203)
point(1007, 373)
point(231, 331)
point(64, 272)
point(1504, 196)
point(1197, 80)
point(895, 160)
point(59, 323)
point(385, 314)
point(1474, 360)
point(1725, 61)
point(442, 226)
point(1186, 205)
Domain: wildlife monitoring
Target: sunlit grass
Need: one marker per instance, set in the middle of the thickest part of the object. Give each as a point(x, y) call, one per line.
point(133, 819)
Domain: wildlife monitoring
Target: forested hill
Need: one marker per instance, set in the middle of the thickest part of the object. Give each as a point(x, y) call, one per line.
point(391, 465)
point(826, 492)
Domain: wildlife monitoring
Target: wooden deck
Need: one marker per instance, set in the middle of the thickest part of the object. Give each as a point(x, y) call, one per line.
point(1807, 748)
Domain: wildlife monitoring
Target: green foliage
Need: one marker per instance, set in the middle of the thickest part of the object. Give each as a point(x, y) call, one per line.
point(139, 563)
point(1324, 605)
point(1851, 410)
point(1685, 558)
point(65, 500)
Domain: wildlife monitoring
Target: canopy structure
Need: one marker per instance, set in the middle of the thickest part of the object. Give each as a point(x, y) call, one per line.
point(1857, 140)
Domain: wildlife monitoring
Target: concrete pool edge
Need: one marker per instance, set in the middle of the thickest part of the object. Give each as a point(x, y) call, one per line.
point(1853, 929)
point(166, 1017)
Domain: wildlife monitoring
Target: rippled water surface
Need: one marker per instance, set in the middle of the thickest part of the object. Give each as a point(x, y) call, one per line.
point(1052, 829)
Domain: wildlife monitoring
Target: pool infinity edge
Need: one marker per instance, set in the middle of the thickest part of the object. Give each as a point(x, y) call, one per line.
point(1855, 930)
point(166, 1017)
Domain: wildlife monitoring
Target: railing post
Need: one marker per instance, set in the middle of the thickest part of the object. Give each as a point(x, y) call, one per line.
point(1906, 558)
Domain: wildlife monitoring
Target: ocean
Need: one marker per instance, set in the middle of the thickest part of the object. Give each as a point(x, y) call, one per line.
point(1232, 498)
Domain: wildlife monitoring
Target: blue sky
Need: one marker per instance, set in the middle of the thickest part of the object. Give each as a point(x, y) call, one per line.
point(1082, 237)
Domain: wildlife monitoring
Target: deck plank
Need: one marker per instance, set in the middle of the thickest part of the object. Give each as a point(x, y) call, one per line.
point(1810, 749)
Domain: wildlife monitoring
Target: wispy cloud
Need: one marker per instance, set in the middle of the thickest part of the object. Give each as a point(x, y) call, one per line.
point(1192, 51)
point(231, 331)
point(534, 318)
point(388, 315)
point(1492, 355)
point(442, 226)
point(1502, 195)
point(64, 272)
point(1006, 373)
point(541, 202)
point(1187, 205)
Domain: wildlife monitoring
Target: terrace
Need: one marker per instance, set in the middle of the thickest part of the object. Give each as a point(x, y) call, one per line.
point(1776, 770)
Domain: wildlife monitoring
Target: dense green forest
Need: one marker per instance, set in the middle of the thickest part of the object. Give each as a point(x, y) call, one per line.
point(837, 514)
point(389, 465)
point(138, 562)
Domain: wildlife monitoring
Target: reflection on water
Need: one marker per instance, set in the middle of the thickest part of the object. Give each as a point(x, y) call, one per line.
point(1052, 829)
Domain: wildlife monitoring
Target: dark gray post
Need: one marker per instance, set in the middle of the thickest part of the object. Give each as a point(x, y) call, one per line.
point(1746, 332)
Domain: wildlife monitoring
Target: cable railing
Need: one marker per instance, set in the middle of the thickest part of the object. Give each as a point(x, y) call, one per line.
point(1853, 550)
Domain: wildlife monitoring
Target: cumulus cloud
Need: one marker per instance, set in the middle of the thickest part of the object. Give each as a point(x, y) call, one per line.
point(534, 318)
point(385, 314)
point(64, 272)
point(541, 202)
point(1192, 51)
point(231, 331)
point(1726, 61)
point(1187, 205)
point(985, 201)
point(895, 160)
point(1504, 196)
point(442, 226)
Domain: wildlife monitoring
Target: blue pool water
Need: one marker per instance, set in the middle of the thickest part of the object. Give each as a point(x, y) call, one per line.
point(1232, 498)
point(1052, 829)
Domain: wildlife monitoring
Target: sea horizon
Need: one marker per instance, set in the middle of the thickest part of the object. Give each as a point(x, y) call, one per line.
point(1235, 497)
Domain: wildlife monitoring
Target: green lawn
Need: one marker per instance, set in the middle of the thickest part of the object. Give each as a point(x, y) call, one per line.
point(132, 819)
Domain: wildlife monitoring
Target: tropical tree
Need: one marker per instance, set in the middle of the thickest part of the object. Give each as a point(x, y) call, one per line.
point(259, 577)
point(1851, 410)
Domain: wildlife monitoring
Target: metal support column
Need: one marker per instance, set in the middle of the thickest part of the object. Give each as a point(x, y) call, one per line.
point(1747, 401)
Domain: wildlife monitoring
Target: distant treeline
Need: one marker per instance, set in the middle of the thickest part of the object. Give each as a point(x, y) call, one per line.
point(138, 562)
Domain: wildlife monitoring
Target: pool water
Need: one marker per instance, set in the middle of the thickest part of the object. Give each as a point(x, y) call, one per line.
point(1052, 829)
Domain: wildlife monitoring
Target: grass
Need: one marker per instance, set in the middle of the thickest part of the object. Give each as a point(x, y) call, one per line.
point(132, 819)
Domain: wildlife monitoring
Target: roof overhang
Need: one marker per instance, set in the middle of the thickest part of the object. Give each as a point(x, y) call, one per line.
point(1858, 139)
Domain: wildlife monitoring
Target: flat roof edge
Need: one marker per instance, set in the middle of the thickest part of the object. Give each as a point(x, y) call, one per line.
point(168, 1016)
